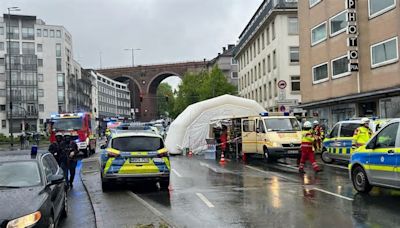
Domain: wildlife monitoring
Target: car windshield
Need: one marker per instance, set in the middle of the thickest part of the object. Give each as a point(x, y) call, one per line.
point(67, 124)
point(18, 174)
point(282, 124)
point(137, 143)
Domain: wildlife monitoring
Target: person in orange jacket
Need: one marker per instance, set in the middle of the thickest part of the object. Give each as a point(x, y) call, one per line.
point(307, 151)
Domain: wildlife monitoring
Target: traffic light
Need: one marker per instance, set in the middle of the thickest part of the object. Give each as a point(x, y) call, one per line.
point(141, 98)
point(166, 98)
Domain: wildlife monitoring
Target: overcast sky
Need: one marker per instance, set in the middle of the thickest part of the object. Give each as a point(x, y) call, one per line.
point(165, 30)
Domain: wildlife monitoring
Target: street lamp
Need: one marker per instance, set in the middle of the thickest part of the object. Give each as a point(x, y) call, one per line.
point(9, 9)
point(133, 54)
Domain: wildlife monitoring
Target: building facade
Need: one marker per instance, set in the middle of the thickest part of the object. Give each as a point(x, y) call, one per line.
point(268, 55)
point(349, 58)
point(113, 97)
point(41, 63)
point(227, 63)
point(84, 94)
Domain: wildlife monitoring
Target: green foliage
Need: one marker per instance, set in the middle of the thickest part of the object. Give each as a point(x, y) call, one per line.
point(201, 86)
point(165, 99)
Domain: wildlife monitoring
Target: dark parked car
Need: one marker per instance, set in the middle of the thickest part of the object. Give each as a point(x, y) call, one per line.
point(32, 190)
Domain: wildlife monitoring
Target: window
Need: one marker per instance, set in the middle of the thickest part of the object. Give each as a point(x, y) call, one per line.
point(384, 53)
point(274, 59)
point(40, 62)
point(258, 46)
point(41, 107)
point(320, 73)
point(3, 123)
point(347, 129)
point(259, 70)
point(234, 61)
point(340, 67)
point(2, 92)
point(234, 75)
point(338, 23)
point(60, 94)
point(294, 55)
point(28, 33)
point(268, 41)
point(58, 50)
point(318, 34)
point(51, 33)
point(2, 77)
point(254, 49)
point(39, 48)
point(59, 68)
point(270, 89)
point(293, 25)
point(273, 30)
point(265, 92)
point(45, 33)
point(40, 93)
point(275, 87)
point(313, 2)
point(295, 83)
point(269, 63)
point(14, 46)
point(58, 34)
point(38, 32)
point(263, 40)
point(248, 126)
point(1, 46)
point(387, 137)
point(28, 48)
point(378, 7)
point(40, 77)
point(2, 107)
point(264, 67)
point(334, 132)
point(1, 30)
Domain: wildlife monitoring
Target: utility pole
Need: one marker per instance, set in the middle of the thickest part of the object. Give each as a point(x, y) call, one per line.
point(9, 72)
point(101, 65)
point(133, 54)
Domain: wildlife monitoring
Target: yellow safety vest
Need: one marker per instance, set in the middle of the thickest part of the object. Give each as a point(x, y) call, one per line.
point(361, 135)
point(307, 137)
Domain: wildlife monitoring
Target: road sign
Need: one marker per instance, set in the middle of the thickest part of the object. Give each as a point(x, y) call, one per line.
point(282, 84)
point(282, 108)
point(287, 102)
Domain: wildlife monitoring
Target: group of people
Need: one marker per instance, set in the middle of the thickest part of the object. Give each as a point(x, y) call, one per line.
point(65, 151)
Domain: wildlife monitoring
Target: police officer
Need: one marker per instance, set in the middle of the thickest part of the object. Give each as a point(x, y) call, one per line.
point(58, 152)
point(362, 134)
point(71, 149)
point(307, 152)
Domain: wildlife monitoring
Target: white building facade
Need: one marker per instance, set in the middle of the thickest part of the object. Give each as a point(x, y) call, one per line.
point(268, 55)
point(42, 66)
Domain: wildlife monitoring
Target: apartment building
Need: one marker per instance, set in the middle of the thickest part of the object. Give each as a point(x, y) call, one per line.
point(41, 66)
point(268, 55)
point(349, 58)
point(227, 63)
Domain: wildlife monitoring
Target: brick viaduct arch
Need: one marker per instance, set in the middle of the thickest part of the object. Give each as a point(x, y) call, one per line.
point(144, 81)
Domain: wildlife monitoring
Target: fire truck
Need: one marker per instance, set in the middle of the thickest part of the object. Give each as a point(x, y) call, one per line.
point(80, 125)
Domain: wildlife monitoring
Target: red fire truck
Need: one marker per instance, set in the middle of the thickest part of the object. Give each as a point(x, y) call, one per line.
point(80, 125)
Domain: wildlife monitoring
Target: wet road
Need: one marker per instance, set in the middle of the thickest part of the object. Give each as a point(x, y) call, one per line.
point(205, 194)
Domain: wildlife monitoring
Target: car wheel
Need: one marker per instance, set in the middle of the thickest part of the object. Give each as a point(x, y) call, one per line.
point(51, 222)
point(164, 184)
point(267, 157)
point(360, 180)
point(64, 213)
point(325, 157)
point(105, 186)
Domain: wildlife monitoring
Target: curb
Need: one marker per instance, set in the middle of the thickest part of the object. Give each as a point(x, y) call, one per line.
point(94, 207)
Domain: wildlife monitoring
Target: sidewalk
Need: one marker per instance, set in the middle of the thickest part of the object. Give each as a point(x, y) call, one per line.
point(115, 208)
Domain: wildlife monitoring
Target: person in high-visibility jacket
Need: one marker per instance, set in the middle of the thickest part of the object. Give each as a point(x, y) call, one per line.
point(362, 134)
point(319, 135)
point(108, 132)
point(307, 151)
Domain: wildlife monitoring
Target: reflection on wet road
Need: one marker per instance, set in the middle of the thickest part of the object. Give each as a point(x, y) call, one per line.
point(206, 194)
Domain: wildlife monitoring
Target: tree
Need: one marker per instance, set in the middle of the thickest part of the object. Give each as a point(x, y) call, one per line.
point(165, 99)
point(215, 84)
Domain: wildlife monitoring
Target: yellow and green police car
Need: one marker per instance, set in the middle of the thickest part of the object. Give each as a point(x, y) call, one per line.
point(132, 156)
point(337, 144)
point(378, 162)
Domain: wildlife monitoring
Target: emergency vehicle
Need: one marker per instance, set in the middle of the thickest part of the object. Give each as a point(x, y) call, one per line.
point(377, 163)
point(80, 125)
point(272, 135)
point(337, 144)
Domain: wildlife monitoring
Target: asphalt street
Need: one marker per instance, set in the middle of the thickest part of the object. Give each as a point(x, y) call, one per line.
point(204, 193)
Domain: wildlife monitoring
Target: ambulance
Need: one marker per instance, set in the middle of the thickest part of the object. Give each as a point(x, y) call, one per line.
point(271, 135)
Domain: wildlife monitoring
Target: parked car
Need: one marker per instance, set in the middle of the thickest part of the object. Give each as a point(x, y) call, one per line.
point(32, 190)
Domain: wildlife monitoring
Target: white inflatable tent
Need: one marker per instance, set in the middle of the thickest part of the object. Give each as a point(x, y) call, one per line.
point(191, 128)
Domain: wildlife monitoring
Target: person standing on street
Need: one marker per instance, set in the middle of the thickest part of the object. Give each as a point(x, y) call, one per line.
point(58, 152)
point(71, 149)
point(319, 134)
point(362, 134)
point(307, 152)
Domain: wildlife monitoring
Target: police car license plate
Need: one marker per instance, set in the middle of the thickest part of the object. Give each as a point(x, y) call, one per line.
point(293, 152)
point(138, 160)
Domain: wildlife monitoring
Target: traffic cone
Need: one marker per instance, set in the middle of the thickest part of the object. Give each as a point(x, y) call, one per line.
point(244, 157)
point(190, 154)
point(222, 161)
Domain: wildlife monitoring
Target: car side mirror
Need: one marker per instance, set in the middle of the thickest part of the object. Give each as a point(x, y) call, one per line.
point(258, 130)
point(56, 179)
point(103, 147)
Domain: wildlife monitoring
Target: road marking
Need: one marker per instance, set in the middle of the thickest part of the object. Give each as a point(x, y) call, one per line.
point(151, 208)
point(333, 194)
point(208, 166)
point(176, 173)
point(273, 173)
point(205, 200)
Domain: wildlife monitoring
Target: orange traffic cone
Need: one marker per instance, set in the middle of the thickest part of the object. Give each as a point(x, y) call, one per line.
point(222, 161)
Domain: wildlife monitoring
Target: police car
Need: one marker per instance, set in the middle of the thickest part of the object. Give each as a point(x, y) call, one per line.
point(377, 163)
point(337, 144)
point(134, 155)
